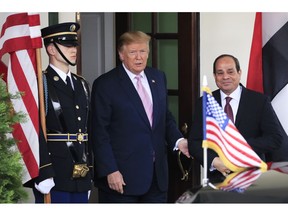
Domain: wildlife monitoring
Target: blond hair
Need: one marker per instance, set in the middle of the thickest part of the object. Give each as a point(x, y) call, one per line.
point(133, 37)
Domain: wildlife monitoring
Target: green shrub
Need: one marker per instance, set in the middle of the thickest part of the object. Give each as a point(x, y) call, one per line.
point(11, 168)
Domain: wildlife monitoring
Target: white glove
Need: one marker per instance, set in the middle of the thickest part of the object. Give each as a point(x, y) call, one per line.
point(45, 186)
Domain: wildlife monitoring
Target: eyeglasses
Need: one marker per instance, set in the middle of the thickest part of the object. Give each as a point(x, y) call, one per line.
point(134, 53)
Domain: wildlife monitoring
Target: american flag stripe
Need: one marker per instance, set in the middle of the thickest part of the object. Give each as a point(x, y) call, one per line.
point(20, 36)
point(20, 31)
point(242, 180)
point(224, 138)
point(234, 150)
point(279, 166)
point(233, 145)
point(26, 81)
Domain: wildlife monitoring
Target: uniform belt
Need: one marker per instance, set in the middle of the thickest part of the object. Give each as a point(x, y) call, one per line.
point(79, 137)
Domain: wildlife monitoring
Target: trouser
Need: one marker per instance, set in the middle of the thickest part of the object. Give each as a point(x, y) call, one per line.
point(62, 197)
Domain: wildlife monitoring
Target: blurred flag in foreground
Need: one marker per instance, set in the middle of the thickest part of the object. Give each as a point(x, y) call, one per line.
point(240, 181)
point(20, 37)
point(279, 166)
point(221, 135)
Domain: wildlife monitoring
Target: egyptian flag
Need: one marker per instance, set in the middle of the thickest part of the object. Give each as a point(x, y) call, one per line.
point(268, 66)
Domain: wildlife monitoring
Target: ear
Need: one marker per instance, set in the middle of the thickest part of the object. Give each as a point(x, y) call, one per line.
point(121, 55)
point(51, 49)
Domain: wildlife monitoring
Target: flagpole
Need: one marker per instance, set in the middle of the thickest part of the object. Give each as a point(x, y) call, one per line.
point(205, 179)
point(47, 197)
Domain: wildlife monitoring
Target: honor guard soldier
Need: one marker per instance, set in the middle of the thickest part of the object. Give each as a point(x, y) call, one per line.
point(67, 104)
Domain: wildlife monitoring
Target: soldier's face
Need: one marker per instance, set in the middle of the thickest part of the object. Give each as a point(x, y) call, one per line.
point(69, 52)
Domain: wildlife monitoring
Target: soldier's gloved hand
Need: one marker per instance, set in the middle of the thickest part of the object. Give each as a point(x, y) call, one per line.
point(45, 186)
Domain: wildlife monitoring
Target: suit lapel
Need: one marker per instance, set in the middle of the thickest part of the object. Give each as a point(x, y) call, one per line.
point(57, 82)
point(241, 108)
point(155, 94)
point(131, 92)
point(77, 84)
point(216, 95)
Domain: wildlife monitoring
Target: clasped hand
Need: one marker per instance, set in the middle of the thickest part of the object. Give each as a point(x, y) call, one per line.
point(183, 147)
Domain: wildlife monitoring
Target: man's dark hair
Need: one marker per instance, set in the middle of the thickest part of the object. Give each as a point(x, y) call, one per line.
point(237, 64)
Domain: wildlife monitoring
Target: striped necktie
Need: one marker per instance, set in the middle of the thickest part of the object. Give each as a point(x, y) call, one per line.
point(228, 109)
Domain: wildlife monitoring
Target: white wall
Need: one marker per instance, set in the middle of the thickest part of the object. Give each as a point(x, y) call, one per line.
point(224, 32)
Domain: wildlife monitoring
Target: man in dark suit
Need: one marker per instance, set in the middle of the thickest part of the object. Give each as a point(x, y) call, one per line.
point(253, 115)
point(130, 145)
point(67, 105)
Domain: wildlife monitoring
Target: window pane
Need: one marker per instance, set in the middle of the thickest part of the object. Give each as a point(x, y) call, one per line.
point(141, 22)
point(167, 23)
point(168, 61)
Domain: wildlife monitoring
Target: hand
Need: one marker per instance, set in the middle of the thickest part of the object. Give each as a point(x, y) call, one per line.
point(219, 165)
point(116, 182)
point(45, 186)
point(183, 147)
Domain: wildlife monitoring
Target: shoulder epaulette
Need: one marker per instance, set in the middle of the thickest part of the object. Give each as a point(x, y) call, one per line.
point(79, 76)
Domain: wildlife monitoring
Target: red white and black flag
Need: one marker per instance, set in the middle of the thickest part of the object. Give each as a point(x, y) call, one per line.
point(268, 65)
point(20, 37)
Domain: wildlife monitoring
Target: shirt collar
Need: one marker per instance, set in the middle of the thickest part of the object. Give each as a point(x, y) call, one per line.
point(61, 73)
point(235, 94)
point(132, 75)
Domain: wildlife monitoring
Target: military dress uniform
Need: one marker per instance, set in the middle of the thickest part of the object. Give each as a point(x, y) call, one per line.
point(67, 112)
point(66, 124)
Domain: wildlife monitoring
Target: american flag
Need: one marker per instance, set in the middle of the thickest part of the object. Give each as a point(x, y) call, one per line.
point(20, 37)
point(224, 138)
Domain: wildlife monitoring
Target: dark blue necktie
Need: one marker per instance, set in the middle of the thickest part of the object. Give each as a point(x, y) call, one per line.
point(68, 83)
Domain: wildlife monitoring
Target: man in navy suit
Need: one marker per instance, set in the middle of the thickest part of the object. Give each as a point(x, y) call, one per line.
point(130, 151)
point(253, 113)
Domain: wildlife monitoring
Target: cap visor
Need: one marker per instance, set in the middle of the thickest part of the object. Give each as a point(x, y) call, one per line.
point(68, 43)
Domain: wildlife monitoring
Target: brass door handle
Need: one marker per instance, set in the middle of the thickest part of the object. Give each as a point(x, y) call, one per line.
point(184, 128)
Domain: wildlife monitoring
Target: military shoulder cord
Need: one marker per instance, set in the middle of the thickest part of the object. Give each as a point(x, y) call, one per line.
point(45, 85)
